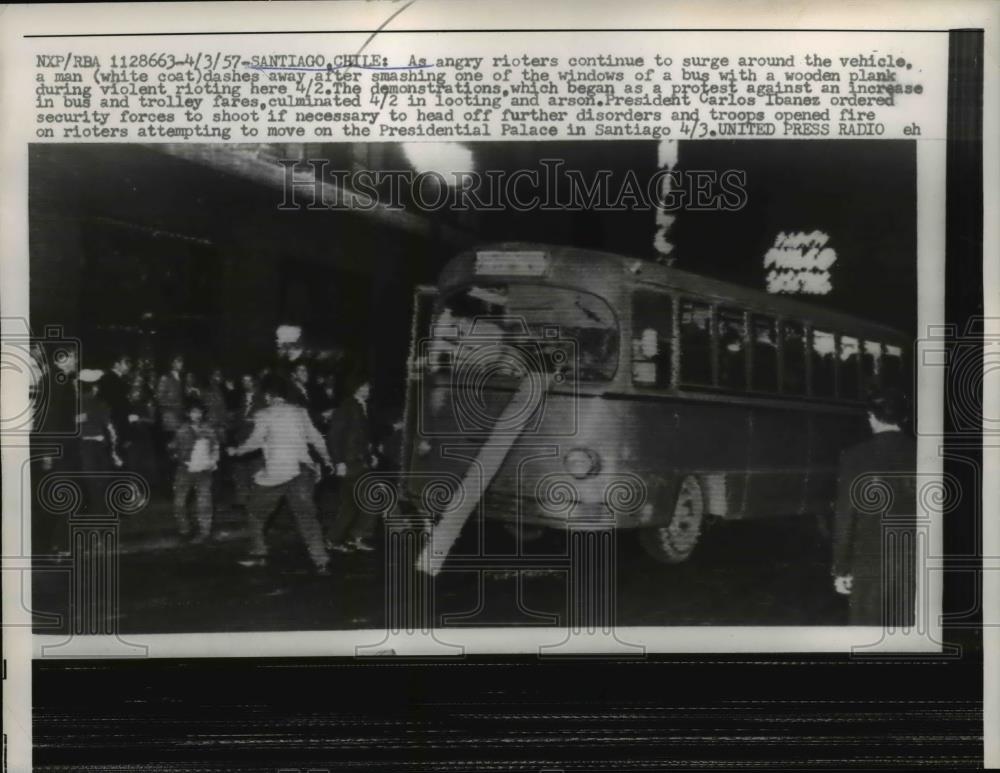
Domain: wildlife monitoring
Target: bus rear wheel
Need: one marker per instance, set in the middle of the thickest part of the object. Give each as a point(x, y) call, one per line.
point(674, 542)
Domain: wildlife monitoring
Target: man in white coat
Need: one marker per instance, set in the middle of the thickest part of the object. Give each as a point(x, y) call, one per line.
point(285, 433)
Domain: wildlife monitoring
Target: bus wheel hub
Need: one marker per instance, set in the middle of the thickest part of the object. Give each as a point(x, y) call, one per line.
point(675, 541)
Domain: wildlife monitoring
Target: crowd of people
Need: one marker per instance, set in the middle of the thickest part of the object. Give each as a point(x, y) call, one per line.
point(300, 435)
point(290, 432)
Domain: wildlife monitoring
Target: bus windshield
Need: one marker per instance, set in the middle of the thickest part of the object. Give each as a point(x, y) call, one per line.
point(551, 328)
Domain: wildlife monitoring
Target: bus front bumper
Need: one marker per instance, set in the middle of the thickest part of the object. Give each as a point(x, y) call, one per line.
point(559, 513)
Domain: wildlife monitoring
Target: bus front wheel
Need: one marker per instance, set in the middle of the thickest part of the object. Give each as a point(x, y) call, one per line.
point(674, 542)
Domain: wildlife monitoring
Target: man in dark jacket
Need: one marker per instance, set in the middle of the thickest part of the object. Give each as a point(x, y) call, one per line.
point(59, 419)
point(56, 435)
point(874, 528)
point(300, 386)
point(213, 396)
point(324, 401)
point(98, 441)
point(244, 467)
point(170, 397)
point(349, 443)
point(115, 389)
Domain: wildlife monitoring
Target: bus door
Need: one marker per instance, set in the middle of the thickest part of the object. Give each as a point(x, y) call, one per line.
point(440, 447)
point(505, 364)
point(424, 298)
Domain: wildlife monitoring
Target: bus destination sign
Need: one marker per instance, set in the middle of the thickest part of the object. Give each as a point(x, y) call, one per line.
point(511, 263)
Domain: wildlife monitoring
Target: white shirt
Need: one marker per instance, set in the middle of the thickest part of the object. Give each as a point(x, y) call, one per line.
point(284, 432)
point(203, 456)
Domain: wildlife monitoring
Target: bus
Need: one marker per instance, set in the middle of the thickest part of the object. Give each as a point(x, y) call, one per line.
point(574, 370)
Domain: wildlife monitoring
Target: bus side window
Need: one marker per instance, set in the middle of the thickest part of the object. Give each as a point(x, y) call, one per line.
point(848, 380)
point(652, 338)
point(764, 364)
point(696, 343)
point(793, 350)
point(892, 367)
point(824, 352)
point(732, 349)
point(871, 365)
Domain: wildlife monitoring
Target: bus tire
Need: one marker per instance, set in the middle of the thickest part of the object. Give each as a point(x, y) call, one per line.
point(674, 542)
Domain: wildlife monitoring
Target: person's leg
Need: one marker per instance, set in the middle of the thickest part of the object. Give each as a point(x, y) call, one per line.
point(183, 482)
point(866, 601)
point(326, 503)
point(343, 517)
point(48, 530)
point(67, 463)
point(303, 507)
point(362, 521)
point(242, 480)
point(203, 503)
point(165, 463)
point(96, 462)
point(261, 504)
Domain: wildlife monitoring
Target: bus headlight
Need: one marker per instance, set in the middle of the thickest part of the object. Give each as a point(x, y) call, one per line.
point(423, 448)
point(581, 462)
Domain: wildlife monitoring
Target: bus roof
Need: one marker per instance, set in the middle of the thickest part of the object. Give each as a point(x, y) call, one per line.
point(603, 265)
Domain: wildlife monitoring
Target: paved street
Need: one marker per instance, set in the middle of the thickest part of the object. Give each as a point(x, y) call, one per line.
point(770, 572)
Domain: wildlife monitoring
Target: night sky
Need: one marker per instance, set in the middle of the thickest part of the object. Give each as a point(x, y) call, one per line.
point(862, 193)
point(128, 237)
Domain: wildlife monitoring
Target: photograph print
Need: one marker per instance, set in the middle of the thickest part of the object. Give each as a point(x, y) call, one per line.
point(442, 387)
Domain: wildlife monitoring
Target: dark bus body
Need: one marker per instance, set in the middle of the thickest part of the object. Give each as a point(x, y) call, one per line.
point(657, 396)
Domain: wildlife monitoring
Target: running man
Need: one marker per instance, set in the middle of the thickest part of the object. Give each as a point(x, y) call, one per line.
point(285, 433)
